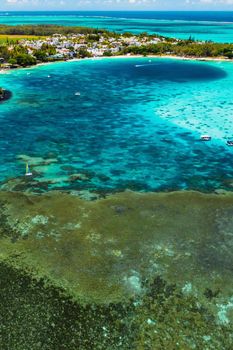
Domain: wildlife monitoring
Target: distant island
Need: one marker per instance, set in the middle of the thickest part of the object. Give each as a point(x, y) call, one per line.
point(4, 94)
point(26, 45)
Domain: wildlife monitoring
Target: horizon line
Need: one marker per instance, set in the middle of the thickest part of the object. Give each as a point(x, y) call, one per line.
point(115, 10)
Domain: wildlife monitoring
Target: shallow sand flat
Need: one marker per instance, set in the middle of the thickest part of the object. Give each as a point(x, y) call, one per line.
point(203, 110)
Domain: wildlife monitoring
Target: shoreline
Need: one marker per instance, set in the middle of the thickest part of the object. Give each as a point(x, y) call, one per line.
point(182, 58)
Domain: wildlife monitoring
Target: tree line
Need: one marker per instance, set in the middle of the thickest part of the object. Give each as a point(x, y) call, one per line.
point(183, 48)
point(46, 30)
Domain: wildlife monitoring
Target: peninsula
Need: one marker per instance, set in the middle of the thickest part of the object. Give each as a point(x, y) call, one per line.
point(26, 45)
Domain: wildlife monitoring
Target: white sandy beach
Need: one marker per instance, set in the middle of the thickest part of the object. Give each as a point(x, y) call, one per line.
point(207, 59)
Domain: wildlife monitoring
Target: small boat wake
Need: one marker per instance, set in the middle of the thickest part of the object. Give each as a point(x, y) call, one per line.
point(145, 65)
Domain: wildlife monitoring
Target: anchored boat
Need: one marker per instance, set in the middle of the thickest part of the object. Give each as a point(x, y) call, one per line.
point(205, 138)
point(28, 173)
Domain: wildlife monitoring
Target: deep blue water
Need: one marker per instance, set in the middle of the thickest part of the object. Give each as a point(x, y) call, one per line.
point(125, 123)
point(215, 26)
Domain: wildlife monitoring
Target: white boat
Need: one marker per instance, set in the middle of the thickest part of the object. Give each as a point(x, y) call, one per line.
point(28, 173)
point(205, 138)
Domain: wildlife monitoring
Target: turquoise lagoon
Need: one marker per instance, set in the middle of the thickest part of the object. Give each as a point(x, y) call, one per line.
point(127, 123)
point(216, 25)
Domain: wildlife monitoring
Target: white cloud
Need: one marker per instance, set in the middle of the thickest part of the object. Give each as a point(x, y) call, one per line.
point(116, 4)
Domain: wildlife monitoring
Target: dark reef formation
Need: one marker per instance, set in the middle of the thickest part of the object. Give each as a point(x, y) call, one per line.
point(132, 271)
point(35, 316)
point(5, 95)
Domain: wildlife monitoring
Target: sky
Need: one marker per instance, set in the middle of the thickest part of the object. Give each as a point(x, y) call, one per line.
point(40, 5)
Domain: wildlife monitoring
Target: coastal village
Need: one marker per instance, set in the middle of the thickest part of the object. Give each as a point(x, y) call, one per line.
point(64, 47)
point(99, 45)
point(24, 46)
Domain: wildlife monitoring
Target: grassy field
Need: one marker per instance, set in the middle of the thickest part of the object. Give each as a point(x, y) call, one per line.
point(8, 38)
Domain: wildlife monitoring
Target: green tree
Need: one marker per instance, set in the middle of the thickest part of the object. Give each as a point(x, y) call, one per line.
point(82, 53)
point(25, 60)
point(41, 55)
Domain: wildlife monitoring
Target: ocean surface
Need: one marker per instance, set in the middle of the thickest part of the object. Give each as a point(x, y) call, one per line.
point(132, 270)
point(215, 26)
point(115, 124)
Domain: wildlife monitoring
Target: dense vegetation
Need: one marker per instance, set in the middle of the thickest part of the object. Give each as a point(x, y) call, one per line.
point(46, 29)
point(17, 55)
point(183, 48)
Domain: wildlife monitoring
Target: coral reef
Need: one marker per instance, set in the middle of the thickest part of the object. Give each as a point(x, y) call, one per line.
point(5, 95)
point(131, 271)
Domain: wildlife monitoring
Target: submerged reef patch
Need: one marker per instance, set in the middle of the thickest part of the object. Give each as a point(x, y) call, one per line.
point(141, 271)
point(5, 95)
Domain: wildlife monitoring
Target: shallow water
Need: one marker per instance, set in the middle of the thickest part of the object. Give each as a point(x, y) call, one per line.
point(134, 270)
point(121, 240)
point(113, 124)
point(127, 272)
point(216, 26)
